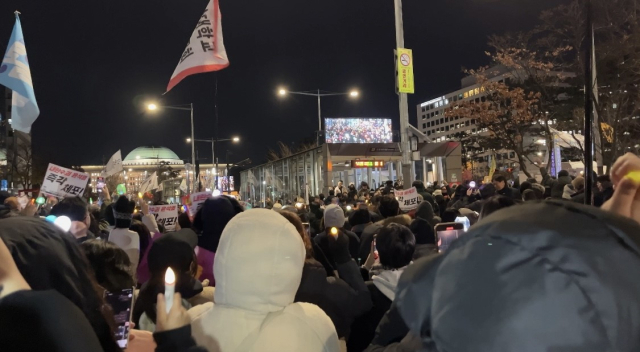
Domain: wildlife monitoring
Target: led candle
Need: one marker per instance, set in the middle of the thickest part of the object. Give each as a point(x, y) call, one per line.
point(169, 288)
point(334, 232)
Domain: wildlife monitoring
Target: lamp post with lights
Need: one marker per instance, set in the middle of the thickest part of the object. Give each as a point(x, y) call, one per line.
point(319, 94)
point(155, 107)
point(213, 142)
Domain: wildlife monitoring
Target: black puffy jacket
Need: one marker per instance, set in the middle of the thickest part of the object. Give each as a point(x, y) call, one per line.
point(343, 300)
point(550, 276)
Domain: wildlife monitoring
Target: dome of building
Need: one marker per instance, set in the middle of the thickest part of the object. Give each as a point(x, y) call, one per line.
point(154, 154)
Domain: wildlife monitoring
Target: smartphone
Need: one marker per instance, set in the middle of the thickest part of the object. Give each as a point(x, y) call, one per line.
point(100, 184)
point(375, 249)
point(307, 228)
point(472, 184)
point(446, 233)
point(121, 303)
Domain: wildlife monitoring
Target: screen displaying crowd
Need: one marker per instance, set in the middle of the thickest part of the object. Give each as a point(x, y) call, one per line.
point(358, 131)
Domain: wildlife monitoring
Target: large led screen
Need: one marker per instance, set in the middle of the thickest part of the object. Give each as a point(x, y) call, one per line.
point(355, 130)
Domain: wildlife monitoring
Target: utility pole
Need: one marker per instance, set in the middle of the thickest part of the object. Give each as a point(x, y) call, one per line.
point(408, 173)
point(588, 108)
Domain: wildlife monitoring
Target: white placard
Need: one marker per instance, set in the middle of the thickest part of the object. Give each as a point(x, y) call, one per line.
point(197, 200)
point(62, 182)
point(167, 215)
point(407, 198)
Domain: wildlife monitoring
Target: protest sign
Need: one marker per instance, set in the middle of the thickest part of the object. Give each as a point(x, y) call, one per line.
point(62, 182)
point(166, 215)
point(407, 198)
point(197, 200)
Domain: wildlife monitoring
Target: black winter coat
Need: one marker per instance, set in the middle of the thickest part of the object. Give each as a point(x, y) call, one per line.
point(548, 276)
point(343, 300)
point(364, 328)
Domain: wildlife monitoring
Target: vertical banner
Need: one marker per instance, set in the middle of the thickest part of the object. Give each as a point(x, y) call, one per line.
point(405, 70)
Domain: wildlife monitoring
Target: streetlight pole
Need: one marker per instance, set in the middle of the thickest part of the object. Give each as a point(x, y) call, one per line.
point(154, 107)
point(319, 118)
point(408, 173)
point(318, 93)
point(214, 160)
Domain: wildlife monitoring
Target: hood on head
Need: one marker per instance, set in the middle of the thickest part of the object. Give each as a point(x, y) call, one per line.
point(425, 211)
point(534, 279)
point(402, 219)
point(258, 266)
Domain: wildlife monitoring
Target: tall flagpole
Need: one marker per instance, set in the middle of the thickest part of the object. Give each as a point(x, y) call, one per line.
point(588, 107)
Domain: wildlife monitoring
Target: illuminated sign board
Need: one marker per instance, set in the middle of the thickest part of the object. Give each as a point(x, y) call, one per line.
point(366, 164)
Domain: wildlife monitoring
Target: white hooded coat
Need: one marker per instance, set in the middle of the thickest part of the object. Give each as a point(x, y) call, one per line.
point(258, 268)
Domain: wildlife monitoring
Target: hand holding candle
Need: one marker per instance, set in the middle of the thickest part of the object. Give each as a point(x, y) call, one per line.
point(169, 288)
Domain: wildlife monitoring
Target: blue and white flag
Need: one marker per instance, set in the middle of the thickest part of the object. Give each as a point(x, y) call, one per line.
point(16, 75)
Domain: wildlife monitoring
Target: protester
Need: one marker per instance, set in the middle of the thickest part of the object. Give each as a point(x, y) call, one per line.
point(425, 236)
point(142, 273)
point(494, 204)
point(334, 218)
point(364, 190)
point(359, 220)
point(183, 221)
point(396, 245)
point(124, 238)
point(208, 223)
point(342, 299)
point(578, 185)
point(339, 190)
point(529, 195)
point(503, 189)
point(389, 209)
point(604, 192)
point(166, 252)
point(539, 190)
point(77, 210)
point(450, 215)
point(547, 180)
point(426, 212)
point(50, 260)
point(517, 287)
point(426, 196)
point(259, 267)
point(110, 264)
point(38, 320)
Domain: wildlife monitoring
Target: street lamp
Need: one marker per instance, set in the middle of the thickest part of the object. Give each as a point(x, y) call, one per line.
point(154, 107)
point(213, 141)
point(319, 94)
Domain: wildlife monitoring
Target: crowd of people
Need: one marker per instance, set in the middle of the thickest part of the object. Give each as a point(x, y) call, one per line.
point(353, 271)
point(358, 131)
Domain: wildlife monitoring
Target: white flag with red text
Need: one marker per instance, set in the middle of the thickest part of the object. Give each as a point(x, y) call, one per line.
point(205, 51)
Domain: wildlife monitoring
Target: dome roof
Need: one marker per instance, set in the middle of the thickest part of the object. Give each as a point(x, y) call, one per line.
point(155, 153)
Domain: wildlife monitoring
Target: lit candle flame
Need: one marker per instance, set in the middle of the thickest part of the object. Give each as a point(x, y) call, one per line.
point(169, 277)
point(334, 231)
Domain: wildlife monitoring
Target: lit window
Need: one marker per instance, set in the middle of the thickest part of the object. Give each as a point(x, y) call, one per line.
point(466, 95)
point(482, 89)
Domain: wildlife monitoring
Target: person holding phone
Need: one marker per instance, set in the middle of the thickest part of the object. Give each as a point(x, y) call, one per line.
point(395, 244)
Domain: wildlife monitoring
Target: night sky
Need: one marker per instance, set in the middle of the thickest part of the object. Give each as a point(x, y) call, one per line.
point(95, 63)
